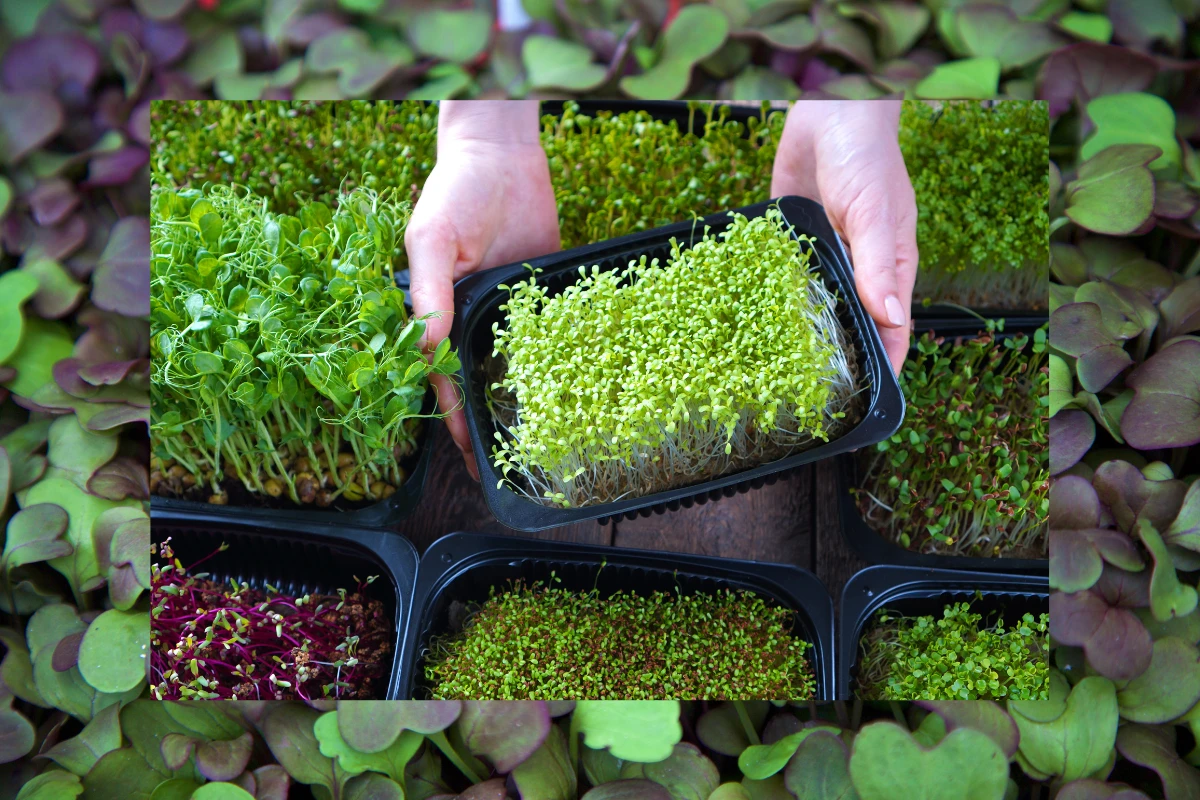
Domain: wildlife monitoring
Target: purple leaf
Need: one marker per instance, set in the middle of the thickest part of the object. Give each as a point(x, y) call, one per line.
point(506, 733)
point(1153, 747)
point(66, 652)
point(1141, 23)
point(1073, 503)
point(1092, 789)
point(1071, 435)
point(51, 200)
point(224, 760)
point(272, 783)
point(1077, 556)
point(27, 121)
point(1165, 410)
point(139, 124)
point(58, 292)
point(176, 749)
point(1181, 309)
point(66, 64)
point(118, 415)
point(495, 789)
point(1080, 72)
point(981, 715)
point(116, 168)
point(1173, 200)
point(1114, 640)
point(372, 726)
point(120, 478)
point(1077, 329)
point(122, 280)
point(1130, 495)
point(635, 789)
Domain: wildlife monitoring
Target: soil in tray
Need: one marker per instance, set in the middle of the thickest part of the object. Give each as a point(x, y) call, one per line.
point(960, 653)
point(317, 494)
point(218, 639)
point(533, 641)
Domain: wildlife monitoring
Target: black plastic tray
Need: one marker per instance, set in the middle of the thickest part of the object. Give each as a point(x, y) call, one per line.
point(478, 301)
point(914, 591)
point(874, 547)
point(384, 514)
point(297, 559)
point(463, 567)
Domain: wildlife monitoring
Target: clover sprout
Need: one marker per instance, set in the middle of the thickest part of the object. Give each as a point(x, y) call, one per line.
point(635, 380)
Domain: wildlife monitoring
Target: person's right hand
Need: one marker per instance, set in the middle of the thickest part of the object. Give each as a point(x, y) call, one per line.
point(487, 202)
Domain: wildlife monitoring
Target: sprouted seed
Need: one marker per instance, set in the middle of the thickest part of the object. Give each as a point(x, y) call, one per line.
point(635, 380)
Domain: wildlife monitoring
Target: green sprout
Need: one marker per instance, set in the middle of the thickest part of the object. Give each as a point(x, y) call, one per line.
point(923, 658)
point(535, 642)
point(657, 375)
point(968, 472)
point(979, 173)
point(284, 358)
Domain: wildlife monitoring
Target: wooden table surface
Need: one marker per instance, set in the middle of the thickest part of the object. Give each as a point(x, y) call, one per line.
point(793, 521)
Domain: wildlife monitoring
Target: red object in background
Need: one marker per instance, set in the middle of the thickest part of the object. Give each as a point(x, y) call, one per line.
point(673, 7)
point(207, 5)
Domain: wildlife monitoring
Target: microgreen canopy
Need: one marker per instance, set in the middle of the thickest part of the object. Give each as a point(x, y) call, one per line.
point(733, 356)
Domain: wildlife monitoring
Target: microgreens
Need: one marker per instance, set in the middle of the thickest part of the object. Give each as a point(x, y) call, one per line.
point(731, 355)
point(284, 356)
point(954, 658)
point(967, 473)
point(543, 642)
point(980, 178)
point(213, 640)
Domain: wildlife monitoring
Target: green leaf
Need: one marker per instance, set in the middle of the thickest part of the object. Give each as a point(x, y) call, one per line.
point(35, 533)
point(42, 346)
point(887, 763)
point(16, 732)
point(697, 32)
point(457, 36)
point(967, 79)
point(1169, 597)
point(52, 785)
point(761, 83)
point(1093, 27)
point(1114, 192)
point(370, 726)
point(553, 63)
point(81, 752)
point(632, 730)
point(995, 31)
point(121, 775)
point(1168, 688)
point(1072, 739)
point(112, 657)
point(548, 774)
point(686, 775)
point(214, 56)
point(374, 787)
point(16, 286)
point(390, 761)
point(820, 769)
point(221, 791)
point(761, 761)
point(1133, 118)
point(288, 731)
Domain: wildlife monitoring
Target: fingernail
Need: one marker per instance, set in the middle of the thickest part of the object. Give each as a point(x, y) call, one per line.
point(895, 311)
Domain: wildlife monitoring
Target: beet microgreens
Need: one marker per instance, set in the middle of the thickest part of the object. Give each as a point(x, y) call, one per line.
point(284, 356)
point(543, 642)
point(733, 356)
point(981, 185)
point(211, 640)
point(954, 658)
point(967, 473)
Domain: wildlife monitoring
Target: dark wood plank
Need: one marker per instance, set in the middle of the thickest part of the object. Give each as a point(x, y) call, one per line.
point(773, 523)
point(453, 502)
point(834, 560)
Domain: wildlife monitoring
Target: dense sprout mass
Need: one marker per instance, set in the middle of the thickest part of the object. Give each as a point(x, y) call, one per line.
point(979, 173)
point(541, 642)
point(656, 375)
point(954, 658)
point(967, 474)
point(285, 360)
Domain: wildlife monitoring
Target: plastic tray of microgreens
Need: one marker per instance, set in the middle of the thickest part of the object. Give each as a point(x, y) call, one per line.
point(459, 573)
point(875, 547)
point(690, 117)
point(852, 391)
point(920, 591)
point(285, 560)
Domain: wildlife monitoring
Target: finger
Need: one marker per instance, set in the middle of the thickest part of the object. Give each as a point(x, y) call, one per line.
point(896, 342)
point(793, 172)
point(870, 224)
point(432, 252)
point(451, 405)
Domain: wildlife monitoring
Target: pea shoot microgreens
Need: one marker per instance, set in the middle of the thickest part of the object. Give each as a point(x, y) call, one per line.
point(538, 642)
point(284, 357)
point(953, 658)
point(212, 640)
point(658, 375)
point(983, 225)
point(968, 472)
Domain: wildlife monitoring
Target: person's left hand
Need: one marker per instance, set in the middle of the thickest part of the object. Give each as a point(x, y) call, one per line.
point(846, 156)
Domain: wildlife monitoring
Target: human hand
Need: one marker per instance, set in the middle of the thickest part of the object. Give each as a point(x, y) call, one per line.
point(487, 202)
point(846, 156)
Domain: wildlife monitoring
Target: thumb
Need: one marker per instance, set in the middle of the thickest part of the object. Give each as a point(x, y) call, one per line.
point(432, 254)
point(870, 225)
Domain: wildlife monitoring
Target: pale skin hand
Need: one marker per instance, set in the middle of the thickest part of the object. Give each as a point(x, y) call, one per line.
point(846, 156)
point(487, 202)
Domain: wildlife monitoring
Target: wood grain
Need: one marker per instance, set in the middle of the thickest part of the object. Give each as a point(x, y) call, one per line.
point(834, 561)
